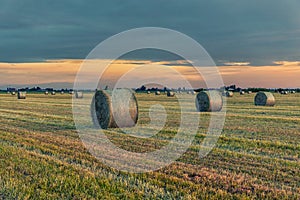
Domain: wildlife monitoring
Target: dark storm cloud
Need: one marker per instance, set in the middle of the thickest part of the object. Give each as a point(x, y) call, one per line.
point(231, 31)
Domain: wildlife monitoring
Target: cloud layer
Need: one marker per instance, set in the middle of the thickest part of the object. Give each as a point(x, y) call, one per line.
point(253, 31)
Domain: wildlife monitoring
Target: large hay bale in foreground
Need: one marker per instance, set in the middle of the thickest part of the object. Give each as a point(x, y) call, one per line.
point(157, 92)
point(264, 99)
point(21, 95)
point(78, 95)
point(209, 101)
point(170, 94)
point(114, 109)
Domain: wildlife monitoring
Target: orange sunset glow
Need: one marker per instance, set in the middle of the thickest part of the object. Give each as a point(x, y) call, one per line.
point(283, 74)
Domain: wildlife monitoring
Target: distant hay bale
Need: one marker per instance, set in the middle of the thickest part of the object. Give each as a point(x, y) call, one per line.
point(71, 92)
point(293, 91)
point(13, 93)
point(46, 92)
point(157, 92)
point(193, 93)
point(264, 99)
point(188, 92)
point(114, 109)
point(284, 92)
point(21, 95)
point(170, 94)
point(209, 101)
point(249, 92)
point(62, 92)
point(148, 92)
point(227, 93)
point(78, 95)
point(53, 93)
point(242, 92)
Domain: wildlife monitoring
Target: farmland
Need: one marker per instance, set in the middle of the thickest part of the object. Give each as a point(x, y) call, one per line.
point(257, 155)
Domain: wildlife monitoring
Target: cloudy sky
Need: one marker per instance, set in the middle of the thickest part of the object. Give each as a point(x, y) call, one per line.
point(243, 34)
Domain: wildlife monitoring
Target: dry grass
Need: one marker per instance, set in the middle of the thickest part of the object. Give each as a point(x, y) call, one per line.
point(257, 156)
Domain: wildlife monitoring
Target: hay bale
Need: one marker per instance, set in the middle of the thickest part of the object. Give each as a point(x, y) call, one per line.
point(46, 92)
point(157, 92)
point(209, 101)
point(249, 92)
point(78, 95)
point(109, 109)
point(53, 93)
point(264, 99)
point(170, 94)
point(242, 92)
point(13, 93)
point(293, 92)
point(21, 95)
point(71, 92)
point(62, 92)
point(148, 92)
point(227, 94)
point(188, 92)
point(194, 93)
point(284, 92)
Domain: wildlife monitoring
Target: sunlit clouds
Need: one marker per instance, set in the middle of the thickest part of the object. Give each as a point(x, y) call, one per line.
point(283, 74)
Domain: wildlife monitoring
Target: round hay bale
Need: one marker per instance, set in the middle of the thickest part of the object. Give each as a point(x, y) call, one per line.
point(13, 93)
point(242, 92)
point(53, 93)
point(62, 92)
point(194, 93)
point(46, 92)
point(209, 101)
point(170, 94)
point(78, 95)
point(148, 92)
point(188, 92)
point(71, 92)
point(114, 109)
point(284, 92)
point(249, 92)
point(227, 94)
point(293, 92)
point(264, 99)
point(157, 92)
point(21, 95)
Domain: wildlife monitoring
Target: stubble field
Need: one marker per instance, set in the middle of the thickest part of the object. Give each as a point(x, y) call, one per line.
point(257, 155)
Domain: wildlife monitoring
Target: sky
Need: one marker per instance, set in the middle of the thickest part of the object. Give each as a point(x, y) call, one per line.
point(254, 42)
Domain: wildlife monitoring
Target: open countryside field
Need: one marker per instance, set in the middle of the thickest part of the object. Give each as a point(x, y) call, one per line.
point(257, 155)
